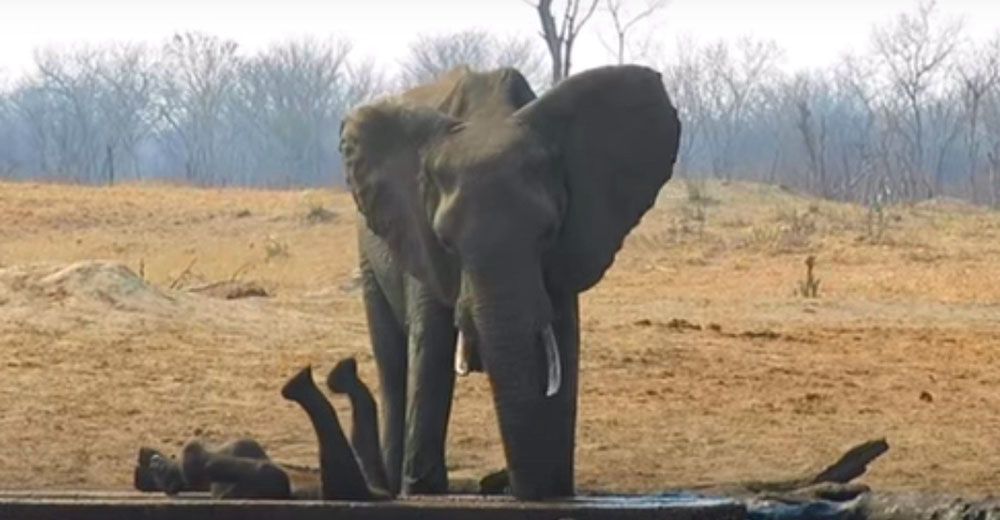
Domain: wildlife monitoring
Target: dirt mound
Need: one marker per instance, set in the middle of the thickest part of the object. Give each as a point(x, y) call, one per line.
point(92, 284)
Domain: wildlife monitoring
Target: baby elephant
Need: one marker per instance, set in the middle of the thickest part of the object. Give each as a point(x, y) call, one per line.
point(242, 469)
point(237, 469)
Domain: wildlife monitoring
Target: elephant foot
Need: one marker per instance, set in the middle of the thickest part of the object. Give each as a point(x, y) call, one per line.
point(433, 481)
point(496, 483)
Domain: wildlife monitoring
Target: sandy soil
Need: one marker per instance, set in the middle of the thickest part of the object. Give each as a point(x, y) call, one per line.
point(700, 362)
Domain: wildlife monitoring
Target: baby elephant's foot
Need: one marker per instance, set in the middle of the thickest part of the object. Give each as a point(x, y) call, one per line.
point(343, 378)
point(496, 483)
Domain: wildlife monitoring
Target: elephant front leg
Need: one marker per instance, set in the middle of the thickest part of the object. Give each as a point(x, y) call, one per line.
point(431, 381)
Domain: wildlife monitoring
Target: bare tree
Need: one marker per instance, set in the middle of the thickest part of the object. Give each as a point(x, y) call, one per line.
point(914, 51)
point(198, 75)
point(683, 80)
point(364, 82)
point(292, 97)
point(431, 56)
point(623, 21)
point(560, 39)
point(861, 151)
point(127, 77)
point(991, 131)
point(811, 123)
point(70, 91)
point(524, 55)
point(737, 83)
point(8, 129)
point(979, 74)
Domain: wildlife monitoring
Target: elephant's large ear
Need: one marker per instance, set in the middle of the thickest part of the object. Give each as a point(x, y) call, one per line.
point(614, 134)
point(382, 145)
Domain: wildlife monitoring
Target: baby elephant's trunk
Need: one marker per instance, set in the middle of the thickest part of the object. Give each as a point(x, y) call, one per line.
point(340, 476)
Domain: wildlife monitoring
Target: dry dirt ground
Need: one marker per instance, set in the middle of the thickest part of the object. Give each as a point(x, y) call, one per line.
point(700, 362)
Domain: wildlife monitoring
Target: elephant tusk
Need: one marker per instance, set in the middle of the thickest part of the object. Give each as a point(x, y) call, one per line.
point(552, 360)
point(461, 356)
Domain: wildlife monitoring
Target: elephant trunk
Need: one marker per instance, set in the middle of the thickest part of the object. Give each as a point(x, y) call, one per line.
point(340, 476)
point(532, 372)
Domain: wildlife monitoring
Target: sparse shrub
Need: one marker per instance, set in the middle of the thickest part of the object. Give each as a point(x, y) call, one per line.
point(735, 222)
point(809, 287)
point(185, 275)
point(762, 237)
point(697, 192)
point(240, 271)
point(695, 213)
point(927, 256)
point(316, 211)
point(318, 214)
point(796, 231)
point(793, 233)
point(876, 224)
point(274, 249)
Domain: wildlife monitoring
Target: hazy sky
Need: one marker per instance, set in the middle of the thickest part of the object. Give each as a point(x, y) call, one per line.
point(812, 32)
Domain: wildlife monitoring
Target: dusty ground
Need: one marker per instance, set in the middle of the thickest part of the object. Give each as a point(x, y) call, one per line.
point(700, 362)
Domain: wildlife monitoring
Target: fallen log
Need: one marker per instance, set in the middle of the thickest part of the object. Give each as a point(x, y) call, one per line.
point(830, 483)
point(230, 290)
point(830, 494)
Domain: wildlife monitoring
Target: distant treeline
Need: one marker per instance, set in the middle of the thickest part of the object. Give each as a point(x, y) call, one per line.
point(916, 115)
point(198, 110)
point(194, 110)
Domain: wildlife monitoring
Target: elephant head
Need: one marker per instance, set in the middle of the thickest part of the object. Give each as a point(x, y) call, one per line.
point(500, 211)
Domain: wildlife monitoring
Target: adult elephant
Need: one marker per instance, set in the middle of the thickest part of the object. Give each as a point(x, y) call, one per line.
point(487, 211)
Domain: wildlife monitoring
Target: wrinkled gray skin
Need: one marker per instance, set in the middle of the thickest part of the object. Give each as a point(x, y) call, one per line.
point(488, 211)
